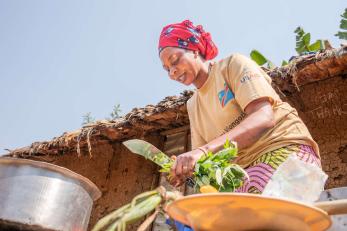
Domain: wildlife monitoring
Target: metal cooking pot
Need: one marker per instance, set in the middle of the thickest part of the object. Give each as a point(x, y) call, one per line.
point(41, 196)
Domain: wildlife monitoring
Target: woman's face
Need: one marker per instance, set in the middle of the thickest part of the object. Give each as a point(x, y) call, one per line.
point(182, 65)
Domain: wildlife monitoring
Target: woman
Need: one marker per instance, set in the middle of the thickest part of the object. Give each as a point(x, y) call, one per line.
point(234, 100)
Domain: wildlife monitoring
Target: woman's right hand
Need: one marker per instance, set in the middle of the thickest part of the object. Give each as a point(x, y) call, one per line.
point(183, 166)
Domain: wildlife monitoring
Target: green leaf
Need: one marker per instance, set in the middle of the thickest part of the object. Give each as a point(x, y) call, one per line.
point(300, 32)
point(238, 171)
point(199, 182)
point(343, 24)
point(258, 57)
point(227, 188)
point(227, 144)
point(343, 20)
point(219, 177)
point(270, 65)
point(211, 174)
point(300, 41)
point(306, 38)
point(322, 44)
point(206, 165)
point(316, 46)
point(226, 170)
point(303, 42)
point(344, 15)
point(216, 169)
point(284, 63)
point(342, 35)
point(237, 183)
point(205, 180)
point(197, 167)
point(300, 48)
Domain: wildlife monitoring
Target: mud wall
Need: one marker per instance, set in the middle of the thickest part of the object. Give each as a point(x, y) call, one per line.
point(119, 174)
point(322, 105)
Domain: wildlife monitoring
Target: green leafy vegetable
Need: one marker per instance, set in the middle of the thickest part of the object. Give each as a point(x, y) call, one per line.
point(218, 171)
point(211, 169)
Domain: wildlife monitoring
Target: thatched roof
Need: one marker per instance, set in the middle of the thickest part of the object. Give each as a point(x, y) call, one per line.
point(171, 112)
point(310, 68)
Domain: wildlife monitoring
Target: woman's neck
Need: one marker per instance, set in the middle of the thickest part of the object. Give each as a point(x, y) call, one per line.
point(203, 74)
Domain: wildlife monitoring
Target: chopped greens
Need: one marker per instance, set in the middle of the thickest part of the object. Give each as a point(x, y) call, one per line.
point(217, 171)
point(211, 169)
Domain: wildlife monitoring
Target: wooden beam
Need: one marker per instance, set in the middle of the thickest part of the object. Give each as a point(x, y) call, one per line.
point(175, 130)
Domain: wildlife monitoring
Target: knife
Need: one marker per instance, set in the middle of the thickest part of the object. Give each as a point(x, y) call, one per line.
point(149, 151)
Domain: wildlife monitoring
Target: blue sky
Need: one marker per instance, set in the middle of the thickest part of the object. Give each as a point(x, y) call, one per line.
point(62, 59)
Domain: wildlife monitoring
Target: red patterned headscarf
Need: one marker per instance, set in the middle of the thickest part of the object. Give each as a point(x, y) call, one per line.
point(186, 35)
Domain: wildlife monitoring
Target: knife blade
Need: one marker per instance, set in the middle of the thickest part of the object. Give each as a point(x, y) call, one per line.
point(149, 151)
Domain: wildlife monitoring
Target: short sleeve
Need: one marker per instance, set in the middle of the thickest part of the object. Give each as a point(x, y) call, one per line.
point(196, 139)
point(248, 81)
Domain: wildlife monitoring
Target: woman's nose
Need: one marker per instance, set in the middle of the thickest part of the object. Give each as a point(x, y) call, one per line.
point(172, 72)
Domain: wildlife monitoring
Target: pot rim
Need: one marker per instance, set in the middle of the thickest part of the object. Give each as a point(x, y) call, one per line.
point(87, 184)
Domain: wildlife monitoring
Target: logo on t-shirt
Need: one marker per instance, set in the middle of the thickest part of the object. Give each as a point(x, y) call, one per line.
point(225, 95)
point(247, 76)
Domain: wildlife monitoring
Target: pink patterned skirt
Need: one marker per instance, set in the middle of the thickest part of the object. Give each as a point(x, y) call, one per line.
point(263, 168)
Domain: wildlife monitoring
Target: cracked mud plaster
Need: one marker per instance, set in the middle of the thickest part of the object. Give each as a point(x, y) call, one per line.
point(322, 106)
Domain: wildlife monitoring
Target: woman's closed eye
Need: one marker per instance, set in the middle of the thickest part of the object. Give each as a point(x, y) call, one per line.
point(175, 61)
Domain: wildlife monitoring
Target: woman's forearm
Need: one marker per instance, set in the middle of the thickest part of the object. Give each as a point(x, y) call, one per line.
point(246, 133)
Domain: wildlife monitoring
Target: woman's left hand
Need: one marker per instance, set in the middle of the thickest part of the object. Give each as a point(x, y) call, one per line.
point(184, 165)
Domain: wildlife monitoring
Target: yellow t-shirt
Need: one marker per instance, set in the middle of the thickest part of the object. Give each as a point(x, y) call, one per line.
point(218, 106)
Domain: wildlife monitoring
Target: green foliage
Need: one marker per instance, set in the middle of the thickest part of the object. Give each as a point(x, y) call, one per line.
point(343, 26)
point(260, 59)
point(115, 114)
point(303, 45)
point(217, 171)
point(284, 63)
point(87, 118)
point(303, 41)
point(211, 169)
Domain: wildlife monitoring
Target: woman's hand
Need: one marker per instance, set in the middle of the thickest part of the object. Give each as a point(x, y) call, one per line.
point(184, 166)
